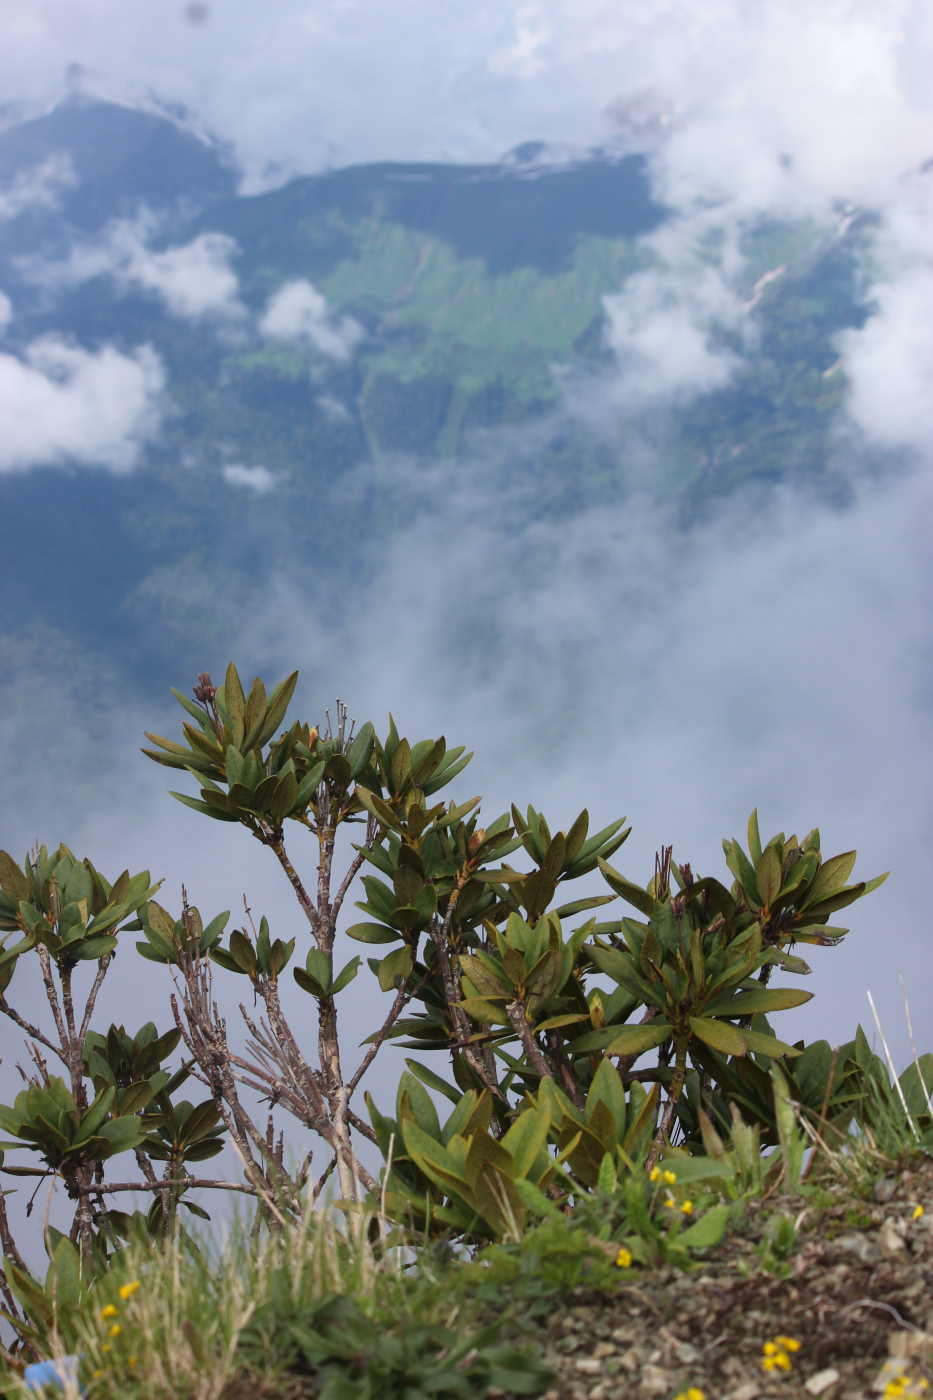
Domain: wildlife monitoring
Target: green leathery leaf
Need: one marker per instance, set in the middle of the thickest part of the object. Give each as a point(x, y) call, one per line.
point(478, 1009)
point(234, 702)
point(829, 879)
point(746, 876)
point(760, 1044)
point(255, 715)
point(134, 1098)
point(793, 1143)
point(488, 981)
point(768, 876)
point(707, 1231)
point(93, 948)
point(360, 750)
point(425, 766)
point(633, 894)
point(578, 906)
point(413, 1102)
point(203, 807)
point(121, 1135)
point(214, 929)
point(373, 933)
point(643, 1118)
point(604, 843)
point(277, 704)
point(283, 800)
point(446, 773)
point(346, 975)
point(242, 952)
point(400, 768)
point(554, 1023)
point(434, 1081)
point(632, 1040)
point(92, 1119)
point(576, 838)
point(720, 1035)
point(306, 983)
point(318, 966)
point(308, 787)
point(527, 1137)
point(754, 838)
point(13, 882)
point(757, 999)
point(535, 1201)
point(607, 1088)
point(398, 963)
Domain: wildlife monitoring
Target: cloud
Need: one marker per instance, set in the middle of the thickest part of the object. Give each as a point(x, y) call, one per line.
point(839, 87)
point(664, 328)
point(193, 280)
point(523, 54)
point(298, 311)
point(777, 655)
point(6, 311)
point(258, 479)
point(60, 403)
point(889, 361)
point(38, 187)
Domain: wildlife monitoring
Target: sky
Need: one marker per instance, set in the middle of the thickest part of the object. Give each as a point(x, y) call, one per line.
point(777, 653)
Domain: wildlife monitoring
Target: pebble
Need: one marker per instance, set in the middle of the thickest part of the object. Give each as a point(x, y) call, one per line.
point(654, 1380)
point(822, 1381)
point(890, 1239)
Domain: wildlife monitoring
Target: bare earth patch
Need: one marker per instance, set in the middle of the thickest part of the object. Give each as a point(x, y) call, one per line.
point(857, 1297)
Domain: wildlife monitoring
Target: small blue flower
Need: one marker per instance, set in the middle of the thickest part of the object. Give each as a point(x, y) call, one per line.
point(57, 1374)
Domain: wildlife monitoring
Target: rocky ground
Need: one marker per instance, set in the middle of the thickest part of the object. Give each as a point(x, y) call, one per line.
point(855, 1294)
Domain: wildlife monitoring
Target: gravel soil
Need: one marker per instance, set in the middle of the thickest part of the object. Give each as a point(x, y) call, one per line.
point(856, 1294)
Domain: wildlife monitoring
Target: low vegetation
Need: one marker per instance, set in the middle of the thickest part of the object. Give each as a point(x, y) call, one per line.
point(537, 1239)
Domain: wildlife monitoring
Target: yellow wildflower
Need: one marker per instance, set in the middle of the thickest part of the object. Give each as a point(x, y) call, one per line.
point(106, 1347)
point(624, 1258)
point(128, 1289)
point(654, 1174)
point(108, 1311)
point(96, 1375)
point(686, 1208)
point(131, 1361)
point(776, 1353)
point(918, 1211)
point(669, 1178)
point(903, 1387)
point(115, 1330)
point(692, 1393)
point(670, 1203)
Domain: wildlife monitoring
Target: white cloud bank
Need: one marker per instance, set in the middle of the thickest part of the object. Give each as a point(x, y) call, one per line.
point(890, 360)
point(257, 479)
point(63, 404)
point(890, 364)
point(192, 280)
point(298, 311)
point(663, 329)
point(36, 188)
point(841, 88)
